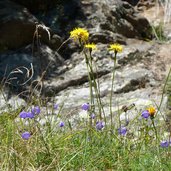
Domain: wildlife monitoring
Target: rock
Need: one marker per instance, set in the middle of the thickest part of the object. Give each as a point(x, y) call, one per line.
point(106, 37)
point(145, 4)
point(37, 5)
point(55, 42)
point(76, 74)
point(123, 19)
point(132, 2)
point(116, 16)
point(18, 26)
point(10, 103)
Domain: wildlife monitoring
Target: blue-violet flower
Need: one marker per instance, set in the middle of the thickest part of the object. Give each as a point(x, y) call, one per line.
point(23, 114)
point(26, 135)
point(122, 130)
point(164, 144)
point(85, 106)
point(99, 125)
point(145, 114)
point(61, 124)
point(35, 110)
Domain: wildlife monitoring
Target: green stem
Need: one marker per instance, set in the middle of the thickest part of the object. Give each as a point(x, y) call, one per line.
point(111, 93)
point(157, 139)
point(97, 92)
point(155, 130)
point(91, 78)
point(42, 137)
point(164, 88)
point(91, 90)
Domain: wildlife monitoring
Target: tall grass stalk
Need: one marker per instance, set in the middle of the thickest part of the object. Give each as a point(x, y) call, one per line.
point(111, 92)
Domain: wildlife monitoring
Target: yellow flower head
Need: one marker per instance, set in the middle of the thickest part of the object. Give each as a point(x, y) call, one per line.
point(151, 111)
point(79, 34)
point(90, 46)
point(116, 47)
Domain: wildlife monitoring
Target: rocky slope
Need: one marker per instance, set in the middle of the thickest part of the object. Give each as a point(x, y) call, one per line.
point(141, 68)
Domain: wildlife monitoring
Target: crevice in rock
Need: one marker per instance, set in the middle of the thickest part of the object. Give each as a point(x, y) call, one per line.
point(52, 90)
point(133, 85)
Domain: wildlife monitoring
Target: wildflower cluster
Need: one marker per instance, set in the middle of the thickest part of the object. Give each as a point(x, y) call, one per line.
point(31, 115)
point(82, 36)
point(35, 111)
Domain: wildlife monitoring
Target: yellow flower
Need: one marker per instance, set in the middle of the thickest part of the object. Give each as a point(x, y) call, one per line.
point(79, 34)
point(90, 46)
point(151, 111)
point(116, 47)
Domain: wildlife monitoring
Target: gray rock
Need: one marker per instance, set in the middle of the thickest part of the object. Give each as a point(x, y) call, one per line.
point(132, 2)
point(18, 68)
point(123, 19)
point(10, 103)
point(17, 25)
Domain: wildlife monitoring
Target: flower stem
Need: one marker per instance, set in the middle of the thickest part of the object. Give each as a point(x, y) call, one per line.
point(111, 93)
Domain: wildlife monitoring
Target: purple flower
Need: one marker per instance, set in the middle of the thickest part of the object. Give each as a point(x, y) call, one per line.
point(93, 116)
point(122, 130)
point(61, 124)
point(164, 144)
point(23, 114)
point(26, 135)
point(99, 125)
point(36, 110)
point(30, 115)
point(85, 106)
point(55, 106)
point(145, 114)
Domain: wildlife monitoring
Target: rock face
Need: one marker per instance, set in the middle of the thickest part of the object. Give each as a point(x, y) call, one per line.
point(18, 59)
point(115, 17)
point(18, 68)
point(140, 68)
point(37, 5)
point(17, 26)
point(123, 19)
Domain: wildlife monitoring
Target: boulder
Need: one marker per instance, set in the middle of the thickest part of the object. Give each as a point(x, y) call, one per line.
point(37, 5)
point(21, 67)
point(18, 26)
point(123, 19)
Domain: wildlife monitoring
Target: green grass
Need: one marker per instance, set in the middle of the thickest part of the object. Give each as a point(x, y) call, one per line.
point(83, 149)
